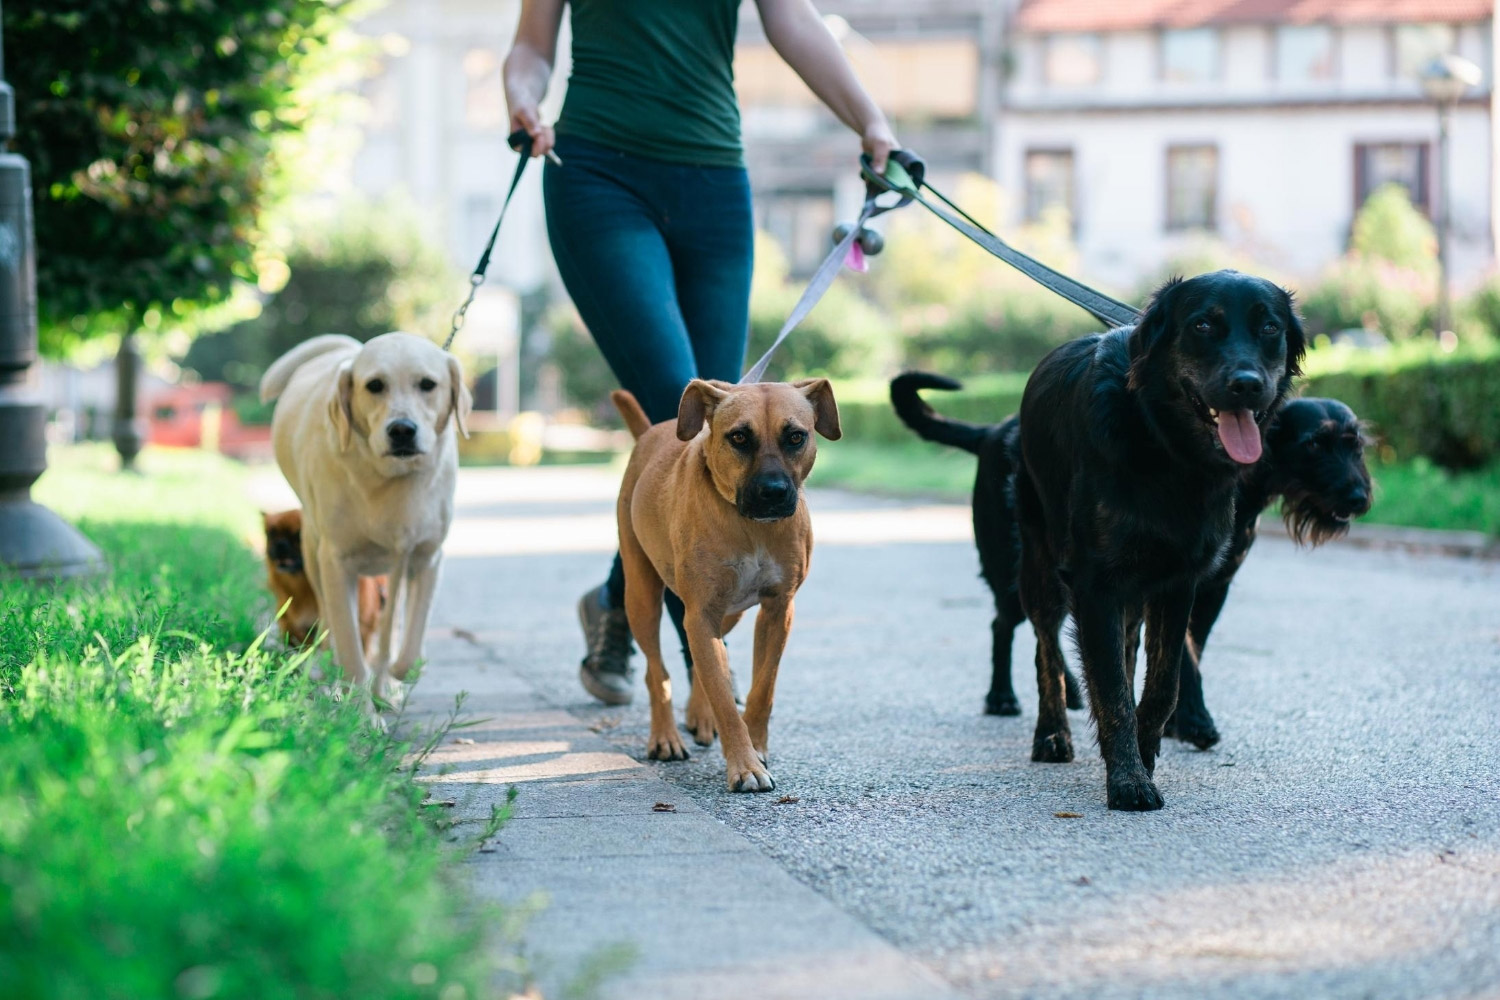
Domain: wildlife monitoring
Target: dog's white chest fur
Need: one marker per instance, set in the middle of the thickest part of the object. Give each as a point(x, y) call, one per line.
point(754, 574)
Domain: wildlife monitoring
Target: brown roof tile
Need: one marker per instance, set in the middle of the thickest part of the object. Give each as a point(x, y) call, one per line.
point(1124, 15)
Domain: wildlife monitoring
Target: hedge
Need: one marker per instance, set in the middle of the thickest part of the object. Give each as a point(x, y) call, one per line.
point(1418, 400)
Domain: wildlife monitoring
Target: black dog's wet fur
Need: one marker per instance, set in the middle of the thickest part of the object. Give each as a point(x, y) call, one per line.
point(1314, 462)
point(1125, 499)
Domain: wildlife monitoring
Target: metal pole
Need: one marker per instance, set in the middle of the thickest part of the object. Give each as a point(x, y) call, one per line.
point(1444, 221)
point(34, 542)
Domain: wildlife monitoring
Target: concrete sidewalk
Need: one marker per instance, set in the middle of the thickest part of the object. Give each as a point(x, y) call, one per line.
point(628, 867)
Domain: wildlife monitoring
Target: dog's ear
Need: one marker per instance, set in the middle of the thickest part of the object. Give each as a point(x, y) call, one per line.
point(1153, 330)
point(341, 407)
point(819, 392)
point(460, 400)
point(699, 400)
point(1296, 339)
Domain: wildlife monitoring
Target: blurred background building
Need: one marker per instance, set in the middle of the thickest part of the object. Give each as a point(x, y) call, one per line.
point(1266, 122)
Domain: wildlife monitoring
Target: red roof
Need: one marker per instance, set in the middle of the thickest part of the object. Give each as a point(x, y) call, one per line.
point(1124, 15)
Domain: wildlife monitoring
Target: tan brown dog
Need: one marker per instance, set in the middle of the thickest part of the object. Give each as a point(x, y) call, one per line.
point(287, 577)
point(712, 507)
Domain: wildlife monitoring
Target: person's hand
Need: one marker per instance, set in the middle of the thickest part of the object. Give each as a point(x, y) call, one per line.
point(525, 117)
point(878, 140)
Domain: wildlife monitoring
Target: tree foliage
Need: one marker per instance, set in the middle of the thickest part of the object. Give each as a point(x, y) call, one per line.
point(152, 127)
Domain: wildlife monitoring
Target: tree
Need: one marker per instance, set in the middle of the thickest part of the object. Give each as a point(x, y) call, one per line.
point(152, 128)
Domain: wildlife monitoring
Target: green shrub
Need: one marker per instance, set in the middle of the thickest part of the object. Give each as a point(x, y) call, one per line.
point(366, 269)
point(1389, 227)
point(866, 415)
point(1420, 400)
point(1368, 293)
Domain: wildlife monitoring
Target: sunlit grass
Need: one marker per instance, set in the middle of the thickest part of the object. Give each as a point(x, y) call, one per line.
point(182, 813)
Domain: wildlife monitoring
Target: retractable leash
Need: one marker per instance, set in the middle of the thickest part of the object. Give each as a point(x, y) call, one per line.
point(520, 141)
point(908, 169)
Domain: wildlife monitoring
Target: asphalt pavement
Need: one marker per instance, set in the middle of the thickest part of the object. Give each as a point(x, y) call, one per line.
point(1342, 841)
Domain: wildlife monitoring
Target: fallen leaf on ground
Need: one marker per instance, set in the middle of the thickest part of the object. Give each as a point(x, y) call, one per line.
point(604, 722)
point(463, 739)
point(1068, 815)
point(445, 803)
point(465, 635)
point(664, 807)
point(1227, 763)
point(788, 800)
point(1083, 880)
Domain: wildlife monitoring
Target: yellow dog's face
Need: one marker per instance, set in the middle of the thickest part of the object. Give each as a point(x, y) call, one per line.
point(760, 444)
point(397, 396)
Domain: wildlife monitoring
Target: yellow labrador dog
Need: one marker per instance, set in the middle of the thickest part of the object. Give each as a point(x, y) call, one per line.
point(367, 436)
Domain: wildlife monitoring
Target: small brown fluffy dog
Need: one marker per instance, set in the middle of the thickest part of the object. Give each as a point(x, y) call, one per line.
point(711, 506)
point(288, 581)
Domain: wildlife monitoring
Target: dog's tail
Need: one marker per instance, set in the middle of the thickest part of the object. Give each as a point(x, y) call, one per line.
point(273, 382)
point(635, 417)
point(927, 422)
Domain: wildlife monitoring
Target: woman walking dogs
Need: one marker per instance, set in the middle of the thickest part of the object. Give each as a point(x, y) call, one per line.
point(649, 216)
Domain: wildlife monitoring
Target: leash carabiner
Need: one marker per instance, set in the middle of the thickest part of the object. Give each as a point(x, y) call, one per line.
point(520, 141)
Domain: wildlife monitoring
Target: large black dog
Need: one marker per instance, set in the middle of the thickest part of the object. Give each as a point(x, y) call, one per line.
point(1314, 461)
point(1132, 446)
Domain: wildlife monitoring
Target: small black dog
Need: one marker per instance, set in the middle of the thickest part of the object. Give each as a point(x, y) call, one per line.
point(1314, 461)
point(1132, 446)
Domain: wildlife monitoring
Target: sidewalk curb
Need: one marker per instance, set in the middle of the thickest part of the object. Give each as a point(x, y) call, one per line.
point(625, 858)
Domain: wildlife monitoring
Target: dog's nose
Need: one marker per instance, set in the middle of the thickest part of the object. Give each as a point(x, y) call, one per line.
point(774, 490)
point(1358, 500)
point(1246, 385)
point(402, 432)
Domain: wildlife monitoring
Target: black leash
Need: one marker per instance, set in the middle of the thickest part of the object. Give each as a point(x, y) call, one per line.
point(905, 177)
point(520, 141)
point(1106, 309)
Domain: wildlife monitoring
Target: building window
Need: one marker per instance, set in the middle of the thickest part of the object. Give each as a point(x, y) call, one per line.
point(1192, 187)
point(1418, 44)
point(1073, 60)
point(1304, 53)
point(1190, 55)
point(1049, 182)
point(802, 222)
point(1404, 163)
point(484, 91)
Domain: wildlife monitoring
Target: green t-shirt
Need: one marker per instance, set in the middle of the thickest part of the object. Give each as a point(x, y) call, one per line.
point(655, 78)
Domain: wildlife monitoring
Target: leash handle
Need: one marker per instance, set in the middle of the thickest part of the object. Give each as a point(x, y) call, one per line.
point(520, 141)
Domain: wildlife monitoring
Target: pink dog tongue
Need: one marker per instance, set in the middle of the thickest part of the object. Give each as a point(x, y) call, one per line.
point(1240, 436)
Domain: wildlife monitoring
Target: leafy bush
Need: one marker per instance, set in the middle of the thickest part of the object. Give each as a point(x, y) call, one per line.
point(844, 335)
point(367, 269)
point(1389, 227)
point(182, 815)
point(1387, 282)
point(1421, 400)
point(866, 415)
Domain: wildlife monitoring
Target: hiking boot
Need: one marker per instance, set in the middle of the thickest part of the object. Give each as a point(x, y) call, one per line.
point(605, 672)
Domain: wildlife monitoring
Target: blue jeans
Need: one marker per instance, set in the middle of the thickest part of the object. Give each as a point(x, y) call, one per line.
point(657, 257)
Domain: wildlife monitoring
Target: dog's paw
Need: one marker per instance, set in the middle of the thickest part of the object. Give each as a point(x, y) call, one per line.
point(390, 695)
point(1052, 748)
point(1134, 793)
point(1001, 705)
point(1200, 731)
point(700, 722)
point(666, 746)
point(751, 777)
point(1074, 690)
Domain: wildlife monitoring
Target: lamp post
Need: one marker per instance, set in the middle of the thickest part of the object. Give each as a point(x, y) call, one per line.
point(34, 542)
point(1444, 81)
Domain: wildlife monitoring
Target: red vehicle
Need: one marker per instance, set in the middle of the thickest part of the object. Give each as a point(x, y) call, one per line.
point(202, 416)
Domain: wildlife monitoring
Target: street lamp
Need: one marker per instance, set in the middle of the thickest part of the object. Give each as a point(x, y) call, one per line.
point(1444, 81)
point(34, 542)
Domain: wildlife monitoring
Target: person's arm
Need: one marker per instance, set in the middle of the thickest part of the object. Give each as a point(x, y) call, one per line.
point(528, 69)
point(799, 36)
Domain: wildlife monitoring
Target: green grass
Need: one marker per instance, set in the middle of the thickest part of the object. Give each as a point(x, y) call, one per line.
point(1414, 494)
point(182, 815)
